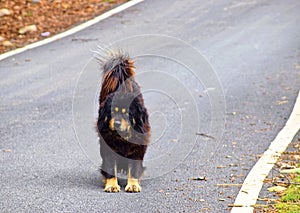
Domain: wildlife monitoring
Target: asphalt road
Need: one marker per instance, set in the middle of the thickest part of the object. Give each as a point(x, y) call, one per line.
point(253, 47)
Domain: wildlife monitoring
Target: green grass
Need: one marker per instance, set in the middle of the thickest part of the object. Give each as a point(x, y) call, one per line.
point(287, 208)
point(290, 201)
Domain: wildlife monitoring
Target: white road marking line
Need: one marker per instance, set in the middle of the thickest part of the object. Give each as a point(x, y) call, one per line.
point(253, 183)
point(73, 30)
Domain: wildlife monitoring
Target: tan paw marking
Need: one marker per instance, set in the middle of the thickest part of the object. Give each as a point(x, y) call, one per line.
point(111, 185)
point(133, 185)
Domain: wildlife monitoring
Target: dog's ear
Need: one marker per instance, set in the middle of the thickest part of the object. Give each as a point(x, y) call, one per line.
point(104, 113)
point(139, 116)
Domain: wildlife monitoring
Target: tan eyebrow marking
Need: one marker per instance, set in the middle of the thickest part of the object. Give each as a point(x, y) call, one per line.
point(117, 109)
point(123, 110)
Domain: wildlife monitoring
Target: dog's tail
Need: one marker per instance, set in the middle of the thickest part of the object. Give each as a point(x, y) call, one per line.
point(117, 68)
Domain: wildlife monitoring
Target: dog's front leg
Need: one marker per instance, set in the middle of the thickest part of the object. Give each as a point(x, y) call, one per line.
point(135, 171)
point(110, 179)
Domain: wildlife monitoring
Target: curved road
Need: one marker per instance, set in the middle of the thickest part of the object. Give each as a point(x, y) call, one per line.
point(254, 49)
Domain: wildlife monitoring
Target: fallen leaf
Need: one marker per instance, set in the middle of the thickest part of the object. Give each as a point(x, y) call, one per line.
point(262, 130)
point(282, 102)
point(7, 43)
point(199, 178)
point(4, 12)
point(30, 28)
point(296, 157)
point(287, 166)
point(276, 189)
point(235, 205)
point(240, 175)
point(297, 170)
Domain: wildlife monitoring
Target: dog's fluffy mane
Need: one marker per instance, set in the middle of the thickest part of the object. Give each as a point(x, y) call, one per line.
point(117, 69)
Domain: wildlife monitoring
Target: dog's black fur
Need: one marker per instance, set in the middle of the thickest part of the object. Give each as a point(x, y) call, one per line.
point(123, 123)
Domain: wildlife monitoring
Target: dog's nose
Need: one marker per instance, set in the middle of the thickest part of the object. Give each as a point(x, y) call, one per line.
point(117, 124)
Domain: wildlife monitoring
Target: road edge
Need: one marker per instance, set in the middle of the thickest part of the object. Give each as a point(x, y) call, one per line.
point(249, 192)
point(73, 30)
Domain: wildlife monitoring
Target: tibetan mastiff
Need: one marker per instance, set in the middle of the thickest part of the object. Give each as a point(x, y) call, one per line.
point(123, 123)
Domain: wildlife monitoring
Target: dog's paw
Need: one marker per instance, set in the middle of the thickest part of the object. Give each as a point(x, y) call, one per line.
point(111, 185)
point(133, 187)
point(109, 188)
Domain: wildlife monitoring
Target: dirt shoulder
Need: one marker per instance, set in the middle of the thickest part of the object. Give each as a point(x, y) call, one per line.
point(278, 194)
point(26, 21)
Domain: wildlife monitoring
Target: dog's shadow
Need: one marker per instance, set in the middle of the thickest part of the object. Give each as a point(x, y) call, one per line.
point(84, 179)
point(76, 178)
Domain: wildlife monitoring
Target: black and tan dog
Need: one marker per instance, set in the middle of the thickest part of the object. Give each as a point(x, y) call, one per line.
point(123, 123)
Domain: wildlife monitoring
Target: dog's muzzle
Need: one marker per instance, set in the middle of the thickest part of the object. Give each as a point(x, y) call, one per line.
point(117, 125)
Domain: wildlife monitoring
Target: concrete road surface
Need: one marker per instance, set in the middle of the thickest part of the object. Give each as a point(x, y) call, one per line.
point(236, 95)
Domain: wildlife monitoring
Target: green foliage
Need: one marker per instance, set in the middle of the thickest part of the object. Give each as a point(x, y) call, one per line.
point(289, 202)
point(28, 14)
point(288, 208)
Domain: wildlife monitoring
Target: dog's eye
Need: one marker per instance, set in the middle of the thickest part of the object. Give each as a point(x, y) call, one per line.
point(123, 110)
point(117, 109)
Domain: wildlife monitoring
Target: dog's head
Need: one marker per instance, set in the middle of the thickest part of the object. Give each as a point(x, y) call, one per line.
point(119, 120)
point(125, 114)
